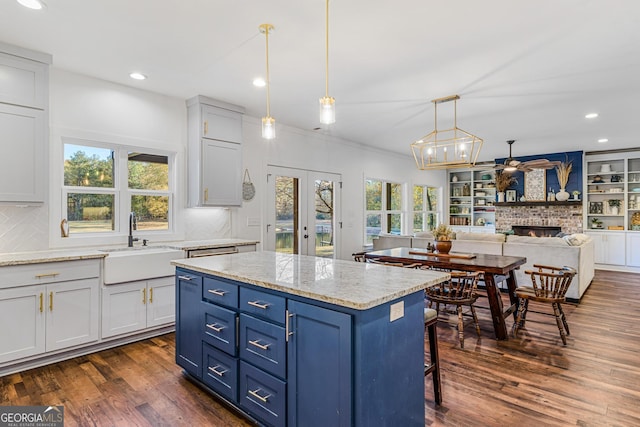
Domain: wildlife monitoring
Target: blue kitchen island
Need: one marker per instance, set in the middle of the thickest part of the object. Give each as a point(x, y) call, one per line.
point(304, 341)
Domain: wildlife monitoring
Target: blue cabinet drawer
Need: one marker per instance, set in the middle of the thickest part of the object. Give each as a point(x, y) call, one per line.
point(263, 344)
point(220, 292)
point(220, 372)
point(262, 304)
point(219, 327)
point(262, 395)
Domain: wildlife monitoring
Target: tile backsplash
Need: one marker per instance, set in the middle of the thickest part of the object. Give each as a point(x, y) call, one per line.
point(24, 229)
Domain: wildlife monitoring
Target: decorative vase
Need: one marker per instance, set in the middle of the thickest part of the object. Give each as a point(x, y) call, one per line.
point(562, 195)
point(614, 210)
point(501, 197)
point(443, 246)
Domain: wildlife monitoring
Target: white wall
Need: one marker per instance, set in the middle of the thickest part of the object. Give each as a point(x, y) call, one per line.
point(85, 107)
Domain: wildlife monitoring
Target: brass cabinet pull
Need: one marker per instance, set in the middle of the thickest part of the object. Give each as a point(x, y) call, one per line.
point(260, 346)
point(218, 373)
point(150, 295)
point(255, 394)
point(217, 292)
point(50, 301)
point(41, 301)
point(144, 295)
point(257, 304)
point(206, 194)
point(43, 275)
point(206, 127)
point(215, 327)
point(187, 278)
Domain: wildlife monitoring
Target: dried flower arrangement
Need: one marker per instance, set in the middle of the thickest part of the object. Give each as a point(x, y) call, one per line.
point(503, 181)
point(442, 232)
point(563, 170)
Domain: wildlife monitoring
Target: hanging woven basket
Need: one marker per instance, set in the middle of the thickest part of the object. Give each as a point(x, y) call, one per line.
point(248, 190)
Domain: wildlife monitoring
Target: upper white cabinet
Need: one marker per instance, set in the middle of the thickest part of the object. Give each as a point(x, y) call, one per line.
point(215, 152)
point(24, 103)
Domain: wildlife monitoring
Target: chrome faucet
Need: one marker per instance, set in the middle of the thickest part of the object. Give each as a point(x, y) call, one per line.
point(133, 225)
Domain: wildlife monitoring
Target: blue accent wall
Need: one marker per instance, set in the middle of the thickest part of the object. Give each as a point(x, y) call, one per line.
point(575, 177)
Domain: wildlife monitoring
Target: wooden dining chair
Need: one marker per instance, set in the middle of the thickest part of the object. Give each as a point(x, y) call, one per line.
point(549, 286)
point(382, 261)
point(433, 368)
point(459, 291)
point(358, 256)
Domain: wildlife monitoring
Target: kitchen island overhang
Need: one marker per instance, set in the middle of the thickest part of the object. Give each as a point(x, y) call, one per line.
point(351, 331)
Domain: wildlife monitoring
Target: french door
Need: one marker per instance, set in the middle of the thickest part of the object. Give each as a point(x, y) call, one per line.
point(303, 212)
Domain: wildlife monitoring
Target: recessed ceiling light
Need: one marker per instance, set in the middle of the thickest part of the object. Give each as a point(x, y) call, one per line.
point(32, 4)
point(591, 116)
point(603, 140)
point(137, 76)
point(259, 82)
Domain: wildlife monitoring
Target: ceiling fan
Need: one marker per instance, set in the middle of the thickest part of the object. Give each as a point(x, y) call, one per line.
point(511, 164)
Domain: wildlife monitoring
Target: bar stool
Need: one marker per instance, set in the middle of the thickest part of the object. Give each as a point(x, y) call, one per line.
point(430, 322)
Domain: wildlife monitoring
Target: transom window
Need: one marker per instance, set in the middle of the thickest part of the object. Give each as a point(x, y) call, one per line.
point(383, 211)
point(103, 184)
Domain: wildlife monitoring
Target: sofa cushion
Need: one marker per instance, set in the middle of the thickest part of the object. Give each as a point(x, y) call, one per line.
point(546, 241)
point(577, 239)
point(486, 237)
point(424, 234)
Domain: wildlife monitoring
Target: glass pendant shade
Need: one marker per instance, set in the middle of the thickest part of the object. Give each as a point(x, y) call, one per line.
point(327, 110)
point(268, 127)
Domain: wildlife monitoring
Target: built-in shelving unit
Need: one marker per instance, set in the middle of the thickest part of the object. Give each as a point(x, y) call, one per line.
point(472, 196)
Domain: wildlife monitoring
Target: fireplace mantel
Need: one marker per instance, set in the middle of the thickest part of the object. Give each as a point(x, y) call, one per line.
point(566, 203)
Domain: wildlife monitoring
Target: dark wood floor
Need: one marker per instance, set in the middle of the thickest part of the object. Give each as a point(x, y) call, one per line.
point(529, 381)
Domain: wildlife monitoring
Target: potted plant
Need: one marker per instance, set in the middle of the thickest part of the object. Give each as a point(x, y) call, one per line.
point(596, 223)
point(614, 204)
point(576, 194)
point(563, 170)
point(503, 181)
point(442, 235)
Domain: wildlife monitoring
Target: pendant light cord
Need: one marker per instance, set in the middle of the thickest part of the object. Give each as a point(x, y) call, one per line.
point(266, 33)
point(326, 83)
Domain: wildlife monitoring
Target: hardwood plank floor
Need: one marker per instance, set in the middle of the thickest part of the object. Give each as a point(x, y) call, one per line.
point(532, 380)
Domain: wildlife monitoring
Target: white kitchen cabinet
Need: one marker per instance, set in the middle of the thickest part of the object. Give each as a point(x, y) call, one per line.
point(609, 248)
point(44, 318)
point(214, 153)
point(135, 306)
point(23, 125)
point(633, 249)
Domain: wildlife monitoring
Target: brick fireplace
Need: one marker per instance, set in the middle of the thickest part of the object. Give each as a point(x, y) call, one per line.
point(566, 216)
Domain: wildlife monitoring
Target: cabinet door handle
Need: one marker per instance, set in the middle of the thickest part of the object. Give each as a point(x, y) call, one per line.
point(206, 127)
point(50, 301)
point(260, 346)
point(215, 327)
point(257, 304)
point(217, 372)
point(144, 296)
point(206, 194)
point(41, 301)
point(217, 292)
point(43, 275)
point(287, 329)
point(255, 394)
point(150, 295)
point(187, 278)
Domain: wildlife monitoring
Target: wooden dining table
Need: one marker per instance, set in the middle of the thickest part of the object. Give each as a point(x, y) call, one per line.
point(493, 266)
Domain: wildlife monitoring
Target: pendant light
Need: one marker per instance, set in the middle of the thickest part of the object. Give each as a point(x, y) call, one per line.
point(268, 122)
point(327, 103)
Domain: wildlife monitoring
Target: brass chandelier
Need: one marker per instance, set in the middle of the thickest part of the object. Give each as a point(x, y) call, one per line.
point(448, 148)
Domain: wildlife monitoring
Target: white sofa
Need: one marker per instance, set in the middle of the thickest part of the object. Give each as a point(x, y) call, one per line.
point(576, 251)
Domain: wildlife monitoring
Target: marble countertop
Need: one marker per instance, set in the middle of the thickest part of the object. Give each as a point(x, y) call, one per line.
point(23, 258)
point(205, 244)
point(350, 284)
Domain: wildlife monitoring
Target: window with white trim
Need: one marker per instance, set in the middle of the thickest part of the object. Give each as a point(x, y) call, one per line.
point(383, 208)
point(426, 212)
point(103, 183)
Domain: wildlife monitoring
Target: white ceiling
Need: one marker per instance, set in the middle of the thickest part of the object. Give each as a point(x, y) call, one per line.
point(527, 71)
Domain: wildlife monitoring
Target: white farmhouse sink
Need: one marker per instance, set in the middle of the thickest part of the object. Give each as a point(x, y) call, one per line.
point(139, 263)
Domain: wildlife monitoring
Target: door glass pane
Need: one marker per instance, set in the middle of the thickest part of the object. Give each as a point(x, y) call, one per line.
point(152, 212)
point(90, 213)
point(86, 166)
point(324, 218)
point(374, 222)
point(286, 214)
